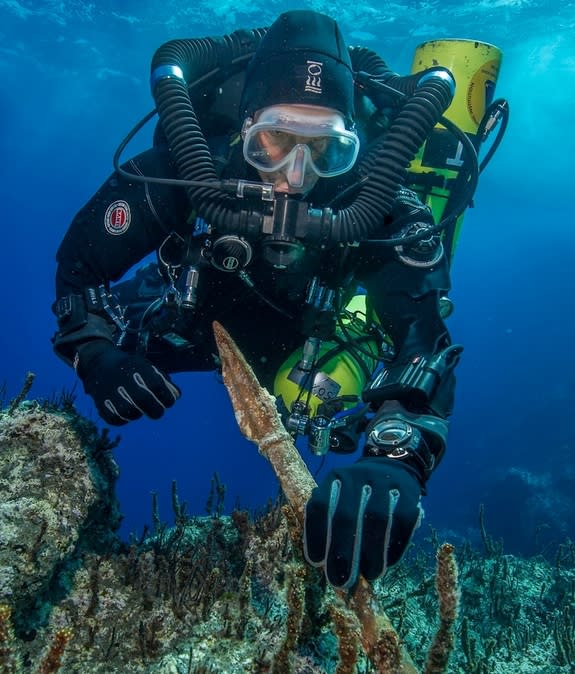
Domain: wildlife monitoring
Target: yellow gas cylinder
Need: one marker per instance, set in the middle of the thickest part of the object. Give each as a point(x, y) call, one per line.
point(475, 66)
point(338, 371)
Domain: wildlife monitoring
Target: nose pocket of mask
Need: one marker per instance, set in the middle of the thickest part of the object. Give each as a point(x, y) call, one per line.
point(295, 173)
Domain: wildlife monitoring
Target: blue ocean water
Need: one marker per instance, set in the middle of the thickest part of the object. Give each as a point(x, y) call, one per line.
point(75, 80)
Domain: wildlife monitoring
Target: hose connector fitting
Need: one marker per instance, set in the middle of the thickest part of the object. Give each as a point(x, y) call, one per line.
point(165, 72)
point(441, 74)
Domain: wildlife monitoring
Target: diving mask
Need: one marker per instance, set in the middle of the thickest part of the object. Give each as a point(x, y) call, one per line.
point(294, 138)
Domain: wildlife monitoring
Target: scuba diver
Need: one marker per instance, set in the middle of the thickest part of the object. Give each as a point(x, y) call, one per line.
point(275, 197)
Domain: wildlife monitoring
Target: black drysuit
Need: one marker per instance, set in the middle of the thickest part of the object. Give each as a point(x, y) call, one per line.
point(125, 221)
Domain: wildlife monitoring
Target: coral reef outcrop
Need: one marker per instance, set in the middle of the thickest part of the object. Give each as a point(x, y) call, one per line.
point(57, 492)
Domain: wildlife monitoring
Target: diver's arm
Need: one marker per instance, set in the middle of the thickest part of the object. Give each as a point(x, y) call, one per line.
point(404, 286)
point(123, 222)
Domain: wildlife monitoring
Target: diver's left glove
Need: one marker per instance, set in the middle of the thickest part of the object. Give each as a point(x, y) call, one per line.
point(124, 386)
point(360, 519)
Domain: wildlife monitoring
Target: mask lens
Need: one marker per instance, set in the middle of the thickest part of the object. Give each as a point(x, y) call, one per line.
point(269, 147)
point(333, 155)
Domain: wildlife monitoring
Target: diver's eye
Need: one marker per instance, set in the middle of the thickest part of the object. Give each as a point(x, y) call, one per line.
point(278, 136)
point(319, 144)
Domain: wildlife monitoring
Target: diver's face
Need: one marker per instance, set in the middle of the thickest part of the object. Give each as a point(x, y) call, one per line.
point(294, 176)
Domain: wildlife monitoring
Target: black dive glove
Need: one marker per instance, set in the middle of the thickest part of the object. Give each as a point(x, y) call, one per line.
point(124, 386)
point(360, 519)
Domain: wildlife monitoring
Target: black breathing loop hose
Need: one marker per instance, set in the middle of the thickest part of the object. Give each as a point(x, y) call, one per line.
point(174, 64)
point(193, 159)
point(367, 61)
point(388, 161)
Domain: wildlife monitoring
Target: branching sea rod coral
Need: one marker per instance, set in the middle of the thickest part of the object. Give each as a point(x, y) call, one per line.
point(446, 582)
point(11, 661)
point(295, 600)
point(10, 658)
point(52, 661)
point(28, 381)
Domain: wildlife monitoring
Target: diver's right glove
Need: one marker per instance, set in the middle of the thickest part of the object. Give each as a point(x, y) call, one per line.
point(124, 386)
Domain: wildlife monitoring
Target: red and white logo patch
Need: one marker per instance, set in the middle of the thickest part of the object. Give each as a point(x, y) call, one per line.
point(118, 217)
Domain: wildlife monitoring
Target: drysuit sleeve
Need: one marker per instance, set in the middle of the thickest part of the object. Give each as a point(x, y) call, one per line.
point(404, 285)
point(123, 222)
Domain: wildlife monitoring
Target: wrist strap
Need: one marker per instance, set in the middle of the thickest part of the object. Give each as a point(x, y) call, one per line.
point(398, 440)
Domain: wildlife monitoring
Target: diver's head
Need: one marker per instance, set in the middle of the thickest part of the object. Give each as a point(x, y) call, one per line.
point(297, 103)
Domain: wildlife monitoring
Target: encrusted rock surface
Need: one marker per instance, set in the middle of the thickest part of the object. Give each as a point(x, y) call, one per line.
point(50, 487)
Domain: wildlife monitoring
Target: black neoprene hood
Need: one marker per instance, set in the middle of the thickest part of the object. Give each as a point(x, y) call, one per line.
point(302, 59)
